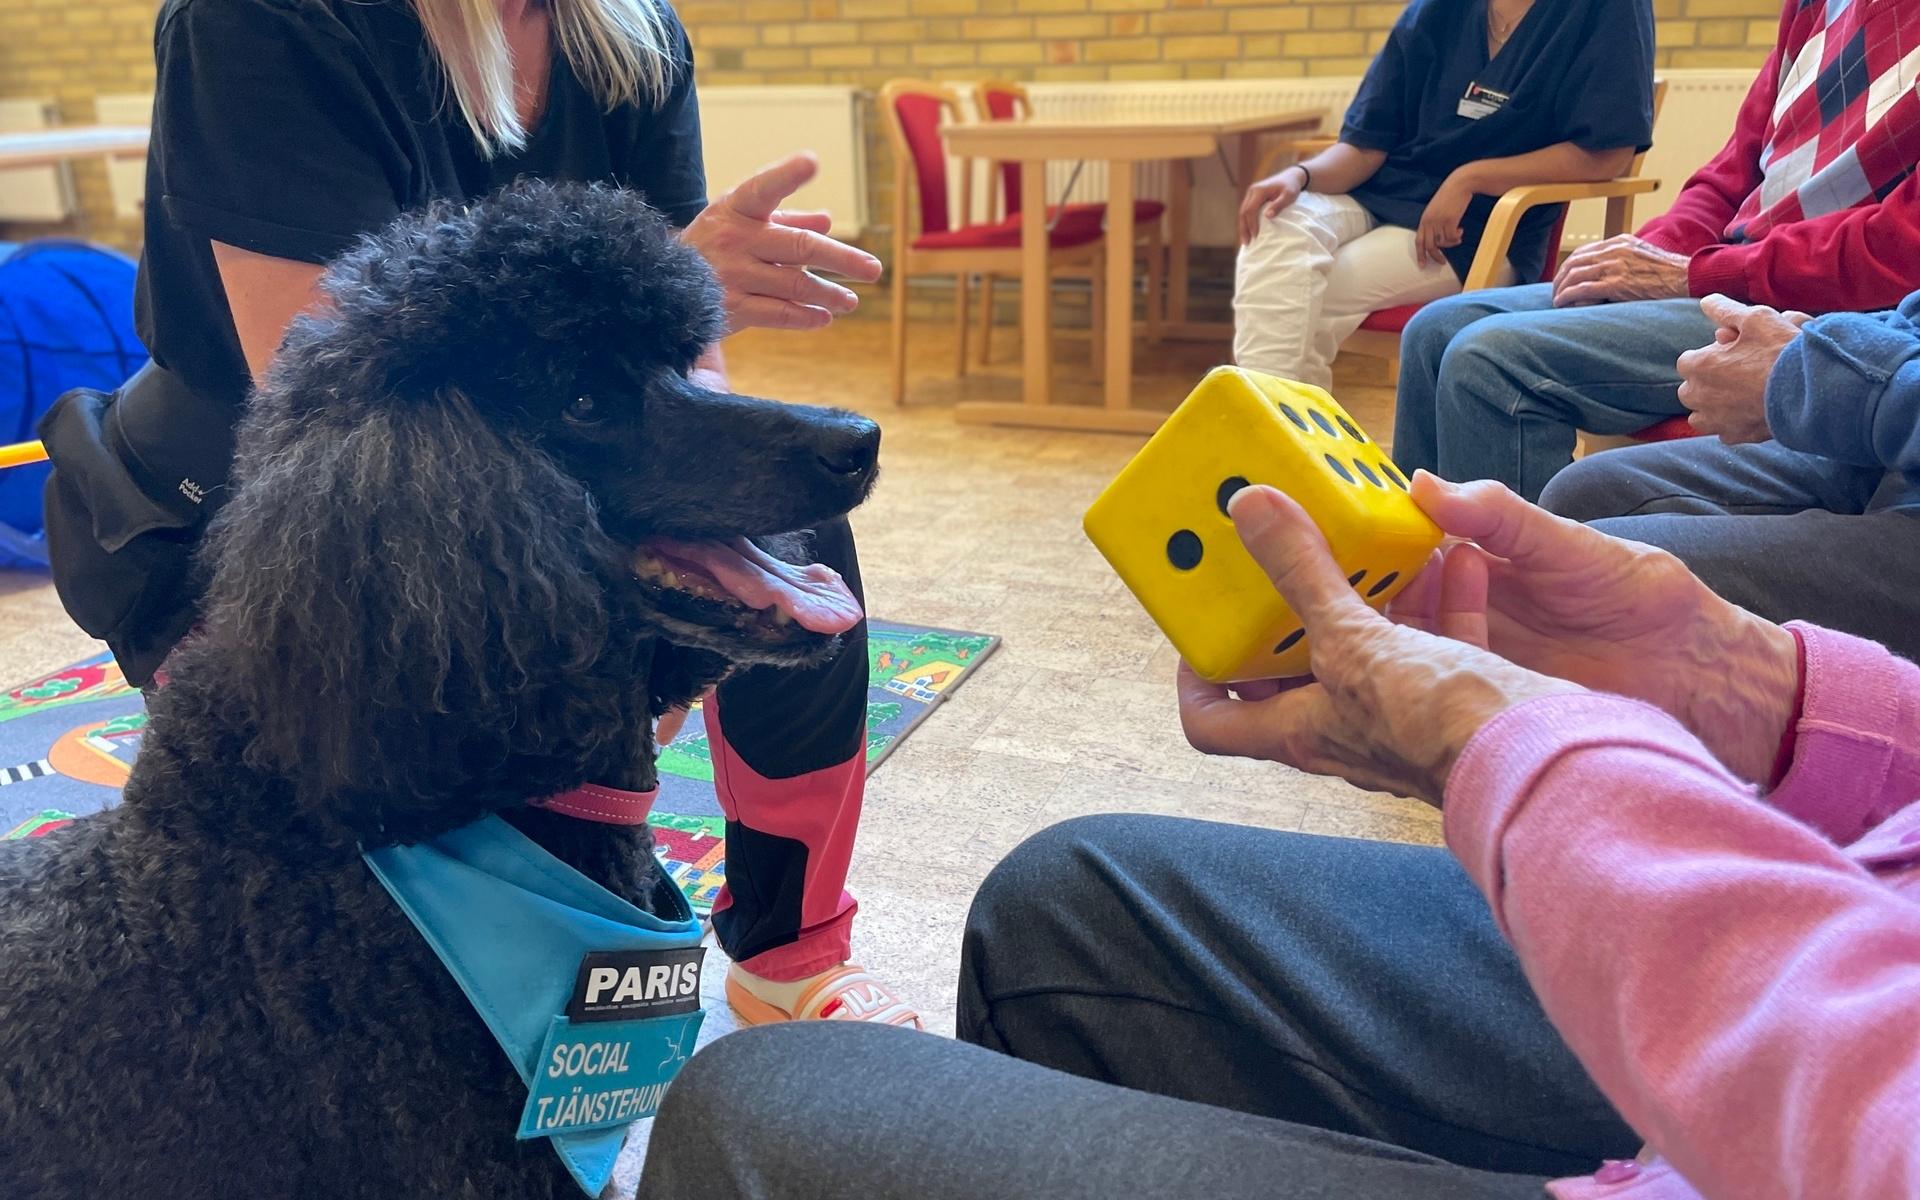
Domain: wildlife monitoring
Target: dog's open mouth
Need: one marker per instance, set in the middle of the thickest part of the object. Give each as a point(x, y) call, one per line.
point(741, 584)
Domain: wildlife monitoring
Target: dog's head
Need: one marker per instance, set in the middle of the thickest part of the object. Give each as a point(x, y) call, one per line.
point(486, 524)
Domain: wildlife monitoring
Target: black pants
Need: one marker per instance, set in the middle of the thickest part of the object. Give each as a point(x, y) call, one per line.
point(1285, 1016)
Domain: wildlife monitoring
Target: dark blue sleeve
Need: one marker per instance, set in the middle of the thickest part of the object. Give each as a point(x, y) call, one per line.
point(1848, 388)
point(1606, 100)
point(1377, 118)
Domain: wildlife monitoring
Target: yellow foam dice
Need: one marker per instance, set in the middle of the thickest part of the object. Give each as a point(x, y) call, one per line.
point(1163, 524)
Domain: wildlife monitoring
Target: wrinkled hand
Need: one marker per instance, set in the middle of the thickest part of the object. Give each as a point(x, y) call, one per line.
point(1267, 198)
point(1390, 706)
point(1619, 268)
point(1724, 384)
point(1610, 615)
point(1440, 222)
point(765, 256)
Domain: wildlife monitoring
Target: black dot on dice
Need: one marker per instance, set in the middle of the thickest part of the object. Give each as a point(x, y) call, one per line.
point(1320, 419)
point(1340, 469)
point(1353, 431)
point(1370, 476)
point(1184, 550)
point(1354, 579)
point(1386, 468)
point(1386, 581)
point(1290, 641)
point(1293, 416)
point(1228, 487)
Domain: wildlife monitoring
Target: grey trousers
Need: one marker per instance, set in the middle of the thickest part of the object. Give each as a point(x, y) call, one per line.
point(1787, 535)
point(1161, 1007)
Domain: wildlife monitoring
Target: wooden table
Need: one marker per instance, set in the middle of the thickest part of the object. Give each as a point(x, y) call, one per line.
point(1032, 144)
point(49, 147)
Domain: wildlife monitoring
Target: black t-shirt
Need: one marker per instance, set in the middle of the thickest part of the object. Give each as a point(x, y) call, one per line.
point(1577, 71)
point(291, 127)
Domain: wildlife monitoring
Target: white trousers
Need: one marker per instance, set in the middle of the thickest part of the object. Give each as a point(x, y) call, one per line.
point(1311, 276)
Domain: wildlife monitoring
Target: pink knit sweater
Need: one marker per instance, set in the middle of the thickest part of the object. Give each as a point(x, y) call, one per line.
point(1740, 973)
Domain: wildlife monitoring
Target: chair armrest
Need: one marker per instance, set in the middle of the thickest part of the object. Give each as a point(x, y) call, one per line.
point(1497, 239)
point(1293, 148)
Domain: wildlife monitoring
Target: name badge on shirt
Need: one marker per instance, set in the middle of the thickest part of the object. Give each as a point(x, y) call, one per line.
point(1481, 102)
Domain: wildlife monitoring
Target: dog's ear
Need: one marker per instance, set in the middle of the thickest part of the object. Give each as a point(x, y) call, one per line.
point(412, 609)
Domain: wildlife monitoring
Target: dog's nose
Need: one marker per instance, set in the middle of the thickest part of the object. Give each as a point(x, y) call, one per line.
point(851, 449)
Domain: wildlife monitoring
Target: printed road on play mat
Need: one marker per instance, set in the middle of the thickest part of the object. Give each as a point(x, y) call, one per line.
point(67, 742)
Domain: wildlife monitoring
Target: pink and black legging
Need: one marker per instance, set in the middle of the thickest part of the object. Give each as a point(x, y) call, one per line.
point(790, 766)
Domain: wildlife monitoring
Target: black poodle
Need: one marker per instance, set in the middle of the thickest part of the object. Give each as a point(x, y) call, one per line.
point(484, 529)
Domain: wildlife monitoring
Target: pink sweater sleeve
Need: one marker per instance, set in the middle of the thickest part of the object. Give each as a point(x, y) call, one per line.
point(1856, 759)
point(1745, 994)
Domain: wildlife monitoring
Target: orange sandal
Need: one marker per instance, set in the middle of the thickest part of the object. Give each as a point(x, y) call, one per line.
point(846, 993)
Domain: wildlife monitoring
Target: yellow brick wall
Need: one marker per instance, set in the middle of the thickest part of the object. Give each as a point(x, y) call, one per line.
point(74, 49)
point(70, 51)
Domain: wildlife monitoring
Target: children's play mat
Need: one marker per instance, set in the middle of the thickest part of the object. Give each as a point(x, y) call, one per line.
point(68, 740)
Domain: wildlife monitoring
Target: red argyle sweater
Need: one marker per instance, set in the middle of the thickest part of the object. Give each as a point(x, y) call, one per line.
point(1815, 203)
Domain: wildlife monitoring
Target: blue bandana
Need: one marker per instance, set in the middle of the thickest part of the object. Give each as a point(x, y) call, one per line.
point(596, 1003)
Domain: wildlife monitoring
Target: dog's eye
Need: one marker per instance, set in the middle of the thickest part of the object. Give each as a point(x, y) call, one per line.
point(580, 411)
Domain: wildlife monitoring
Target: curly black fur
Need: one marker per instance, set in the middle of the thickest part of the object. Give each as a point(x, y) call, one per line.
point(421, 610)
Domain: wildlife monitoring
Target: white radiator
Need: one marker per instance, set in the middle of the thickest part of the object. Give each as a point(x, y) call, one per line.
point(745, 128)
point(1694, 124)
point(126, 177)
point(33, 193)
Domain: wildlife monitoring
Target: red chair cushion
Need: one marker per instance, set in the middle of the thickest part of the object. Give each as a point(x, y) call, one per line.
point(920, 121)
point(1001, 106)
point(1672, 429)
point(1145, 212)
point(1073, 229)
point(1394, 320)
point(1390, 320)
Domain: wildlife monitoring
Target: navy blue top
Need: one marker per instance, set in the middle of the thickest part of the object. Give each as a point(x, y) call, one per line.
point(1577, 71)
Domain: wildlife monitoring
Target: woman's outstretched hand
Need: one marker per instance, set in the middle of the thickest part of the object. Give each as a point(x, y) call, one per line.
point(1390, 706)
point(1615, 616)
point(765, 256)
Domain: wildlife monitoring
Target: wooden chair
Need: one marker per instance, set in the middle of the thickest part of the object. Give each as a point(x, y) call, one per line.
point(1005, 100)
point(1379, 335)
point(912, 111)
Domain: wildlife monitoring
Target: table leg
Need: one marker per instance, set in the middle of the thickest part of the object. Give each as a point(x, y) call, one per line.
point(1249, 161)
point(1119, 366)
point(1180, 229)
point(1035, 286)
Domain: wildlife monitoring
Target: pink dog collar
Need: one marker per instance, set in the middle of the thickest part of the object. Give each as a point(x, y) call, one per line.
point(593, 802)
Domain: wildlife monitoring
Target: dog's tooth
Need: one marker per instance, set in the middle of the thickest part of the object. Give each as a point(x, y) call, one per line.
point(780, 617)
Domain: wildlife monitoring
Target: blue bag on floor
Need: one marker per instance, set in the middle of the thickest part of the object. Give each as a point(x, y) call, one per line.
point(66, 321)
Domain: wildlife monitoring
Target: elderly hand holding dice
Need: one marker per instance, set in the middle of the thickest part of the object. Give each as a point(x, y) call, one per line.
point(1523, 605)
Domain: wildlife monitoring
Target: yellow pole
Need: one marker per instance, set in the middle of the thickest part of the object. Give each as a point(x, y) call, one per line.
point(21, 453)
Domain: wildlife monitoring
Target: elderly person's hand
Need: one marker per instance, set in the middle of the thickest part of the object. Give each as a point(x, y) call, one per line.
point(1610, 615)
point(1619, 268)
point(1390, 706)
point(1724, 384)
point(765, 256)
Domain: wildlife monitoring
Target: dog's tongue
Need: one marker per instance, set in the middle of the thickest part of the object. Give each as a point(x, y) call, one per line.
point(814, 595)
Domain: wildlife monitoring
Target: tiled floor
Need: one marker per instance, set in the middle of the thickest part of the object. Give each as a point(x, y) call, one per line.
point(976, 529)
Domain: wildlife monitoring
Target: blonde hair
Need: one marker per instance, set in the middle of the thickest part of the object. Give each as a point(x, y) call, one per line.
point(621, 50)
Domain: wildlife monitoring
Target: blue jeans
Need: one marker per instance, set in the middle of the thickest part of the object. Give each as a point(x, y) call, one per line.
point(1494, 384)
